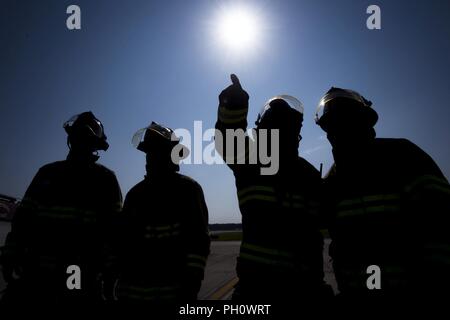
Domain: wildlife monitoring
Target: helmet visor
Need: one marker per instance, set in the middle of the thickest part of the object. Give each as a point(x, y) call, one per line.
point(157, 129)
point(87, 120)
point(293, 102)
point(324, 105)
point(138, 137)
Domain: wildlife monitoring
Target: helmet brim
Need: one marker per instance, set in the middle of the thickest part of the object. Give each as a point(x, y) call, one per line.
point(365, 115)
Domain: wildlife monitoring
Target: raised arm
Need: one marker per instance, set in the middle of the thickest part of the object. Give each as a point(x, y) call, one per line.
point(232, 119)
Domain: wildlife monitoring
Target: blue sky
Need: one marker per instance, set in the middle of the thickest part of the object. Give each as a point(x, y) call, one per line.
point(138, 61)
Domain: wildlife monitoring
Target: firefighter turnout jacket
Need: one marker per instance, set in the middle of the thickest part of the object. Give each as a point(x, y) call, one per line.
point(166, 240)
point(390, 210)
point(62, 221)
point(281, 251)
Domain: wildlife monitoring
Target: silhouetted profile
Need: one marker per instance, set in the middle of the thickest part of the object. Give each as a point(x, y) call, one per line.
point(281, 252)
point(62, 221)
point(165, 222)
point(389, 205)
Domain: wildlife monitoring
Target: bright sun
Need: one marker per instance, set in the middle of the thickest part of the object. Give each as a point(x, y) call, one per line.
point(238, 28)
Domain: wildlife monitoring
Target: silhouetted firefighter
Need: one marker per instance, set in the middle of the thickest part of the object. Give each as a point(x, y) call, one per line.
point(281, 251)
point(389, 205)
point(165, 218)
point(62, 221)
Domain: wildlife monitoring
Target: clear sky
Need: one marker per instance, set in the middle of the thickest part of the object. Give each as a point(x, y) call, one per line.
point(137, 61)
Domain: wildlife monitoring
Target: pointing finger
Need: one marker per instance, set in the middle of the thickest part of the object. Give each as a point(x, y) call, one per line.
point(235, 80)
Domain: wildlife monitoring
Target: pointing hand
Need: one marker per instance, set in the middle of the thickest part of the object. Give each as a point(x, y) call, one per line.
point(234, 97)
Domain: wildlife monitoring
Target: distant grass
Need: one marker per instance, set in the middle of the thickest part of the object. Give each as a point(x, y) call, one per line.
point(237, 235)
point(227, 236)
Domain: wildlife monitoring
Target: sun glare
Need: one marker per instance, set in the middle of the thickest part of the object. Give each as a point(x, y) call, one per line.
point(238, 29)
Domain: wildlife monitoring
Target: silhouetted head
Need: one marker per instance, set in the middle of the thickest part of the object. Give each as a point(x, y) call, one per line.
point(347, 118)
point(158, 143)
point(85, 134)
point(284, 113)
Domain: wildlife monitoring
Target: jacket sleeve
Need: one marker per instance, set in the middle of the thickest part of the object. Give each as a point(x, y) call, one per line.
point(232, 125)
point(197, 240)
point(110, 229)
point(17, 240)
point(427, 194)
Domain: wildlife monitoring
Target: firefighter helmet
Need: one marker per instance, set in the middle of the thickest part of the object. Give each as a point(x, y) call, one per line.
point(346, 103)
point(282, 105)
point(156, 136)
point(86, 129)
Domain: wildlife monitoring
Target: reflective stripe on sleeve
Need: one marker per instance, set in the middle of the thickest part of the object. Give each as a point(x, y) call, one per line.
point(377, 203)
point(256, 192)
point(429, 182)
point(266, 255)
point(370, 198)
point(438, 252)
point(147, 293)
point(196, 261)
point(162, 231)
point(232, 116)
point(372, 209)
point(66, 213)
point(268, 194)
